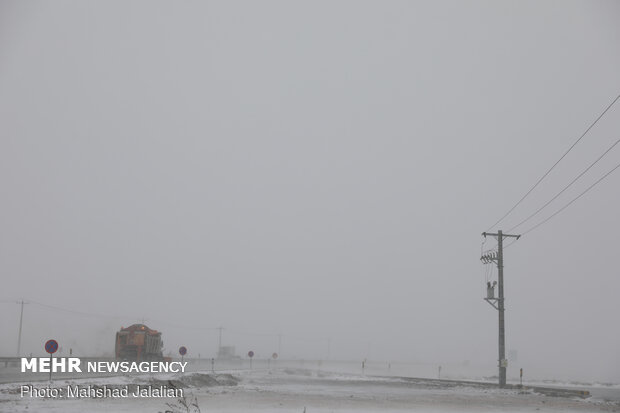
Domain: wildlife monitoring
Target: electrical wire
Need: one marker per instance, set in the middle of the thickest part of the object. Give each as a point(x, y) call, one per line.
point(490, 250)
point(573, 200)
point(495, 247)
point(565, 188)
point(73, 311)
point(511, 242)
point(488, 269)
point(108, 316)
point(491, 270)
point(173, 325)
point(555, 164)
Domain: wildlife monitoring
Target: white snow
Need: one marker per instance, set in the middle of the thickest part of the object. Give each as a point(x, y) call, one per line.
point(293, 390)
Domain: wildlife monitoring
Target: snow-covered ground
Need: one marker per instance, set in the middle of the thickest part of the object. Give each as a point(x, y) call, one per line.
point(296, 390)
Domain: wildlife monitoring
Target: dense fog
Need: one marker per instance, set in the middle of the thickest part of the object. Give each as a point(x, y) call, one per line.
point(314, 177)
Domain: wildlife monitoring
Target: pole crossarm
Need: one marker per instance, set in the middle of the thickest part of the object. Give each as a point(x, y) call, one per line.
point(491, 234)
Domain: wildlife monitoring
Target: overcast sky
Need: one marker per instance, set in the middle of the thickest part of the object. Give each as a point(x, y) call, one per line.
point(314, 169)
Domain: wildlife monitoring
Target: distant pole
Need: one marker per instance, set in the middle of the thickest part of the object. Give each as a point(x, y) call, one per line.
point(19, 337)
point(219, 347)
point(499, 259)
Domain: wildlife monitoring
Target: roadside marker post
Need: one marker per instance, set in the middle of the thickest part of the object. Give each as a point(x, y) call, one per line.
point(51, 346)
point(182, 352)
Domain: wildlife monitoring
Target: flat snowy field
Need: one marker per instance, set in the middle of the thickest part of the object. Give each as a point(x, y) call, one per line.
point(298, 390)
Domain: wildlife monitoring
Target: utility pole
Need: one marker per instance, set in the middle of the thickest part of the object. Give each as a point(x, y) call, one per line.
point(499, 259)
point(19, 337)
point(219, 348)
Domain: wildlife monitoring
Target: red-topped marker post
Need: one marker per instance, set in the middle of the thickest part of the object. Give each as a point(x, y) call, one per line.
point(182, 352)
point(51, 346)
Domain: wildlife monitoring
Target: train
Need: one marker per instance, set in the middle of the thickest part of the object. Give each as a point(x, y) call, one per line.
point(139, 343)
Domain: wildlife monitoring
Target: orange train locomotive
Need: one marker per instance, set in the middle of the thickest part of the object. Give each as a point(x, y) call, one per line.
point(140, 343)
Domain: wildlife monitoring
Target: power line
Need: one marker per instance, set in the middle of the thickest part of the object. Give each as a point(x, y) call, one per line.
point(174, 325)
point(108, 316)
point(74, 311)
point(511, 242)
point(573, 200)
point(555, 164)
point(168, 324)
point(565, 188)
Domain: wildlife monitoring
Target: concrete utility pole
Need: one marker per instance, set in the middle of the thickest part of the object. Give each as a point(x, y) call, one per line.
point(19, 337)
point(219, 348)
point(499, 259)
